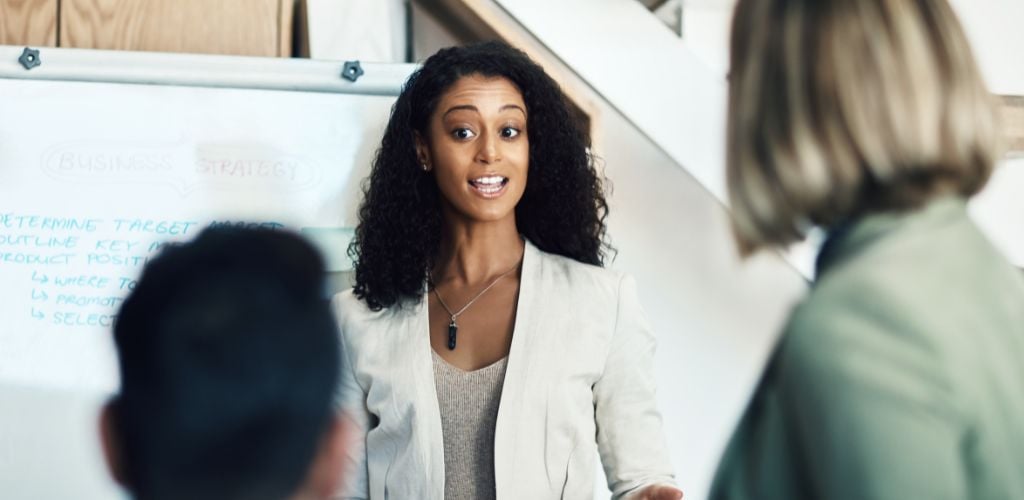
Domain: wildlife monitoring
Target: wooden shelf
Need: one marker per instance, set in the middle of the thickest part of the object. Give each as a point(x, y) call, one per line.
point(230, 27)
point(28, 22)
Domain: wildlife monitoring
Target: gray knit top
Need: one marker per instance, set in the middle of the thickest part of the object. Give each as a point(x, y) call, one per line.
point(469, 410)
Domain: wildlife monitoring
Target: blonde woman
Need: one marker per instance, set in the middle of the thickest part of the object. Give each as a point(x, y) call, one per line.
point(901, 375)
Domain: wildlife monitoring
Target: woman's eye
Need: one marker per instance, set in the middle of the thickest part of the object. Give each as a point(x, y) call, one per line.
point(463, 134)
point(509, 132)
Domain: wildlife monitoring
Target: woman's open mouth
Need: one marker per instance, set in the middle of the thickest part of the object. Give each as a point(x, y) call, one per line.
point(489, 186)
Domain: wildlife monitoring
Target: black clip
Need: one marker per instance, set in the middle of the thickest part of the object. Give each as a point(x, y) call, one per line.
point(29, 58)
point(351, 71)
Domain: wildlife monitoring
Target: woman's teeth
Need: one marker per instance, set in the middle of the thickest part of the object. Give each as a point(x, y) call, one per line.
point(489, 184)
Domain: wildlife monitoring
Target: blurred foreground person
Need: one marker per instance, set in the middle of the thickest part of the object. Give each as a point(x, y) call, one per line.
point(229, 359)
point(901, 375)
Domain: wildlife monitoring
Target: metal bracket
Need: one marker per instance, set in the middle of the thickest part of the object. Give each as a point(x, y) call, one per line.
point(351, 71)
point(29, 58)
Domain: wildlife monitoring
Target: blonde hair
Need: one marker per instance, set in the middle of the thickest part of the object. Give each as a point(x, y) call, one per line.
point(843, 107)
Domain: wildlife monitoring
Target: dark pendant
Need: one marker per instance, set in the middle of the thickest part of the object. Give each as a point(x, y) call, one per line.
point(453, 329)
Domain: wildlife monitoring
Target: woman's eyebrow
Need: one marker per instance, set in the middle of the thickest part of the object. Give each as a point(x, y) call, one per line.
point(513, 106)
point(468, 107)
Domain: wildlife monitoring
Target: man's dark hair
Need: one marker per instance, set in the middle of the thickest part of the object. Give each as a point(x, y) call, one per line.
point(228, 356)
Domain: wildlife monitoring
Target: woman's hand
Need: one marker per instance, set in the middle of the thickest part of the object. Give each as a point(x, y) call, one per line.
point(658, 492)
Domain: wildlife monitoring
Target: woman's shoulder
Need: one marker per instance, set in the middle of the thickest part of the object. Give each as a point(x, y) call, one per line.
point(578, 274)
point(846, 319)
point(356, 318)
point(347, 304)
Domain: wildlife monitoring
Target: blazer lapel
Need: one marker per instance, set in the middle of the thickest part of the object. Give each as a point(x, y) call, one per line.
point(512, 393)
point(431, 438)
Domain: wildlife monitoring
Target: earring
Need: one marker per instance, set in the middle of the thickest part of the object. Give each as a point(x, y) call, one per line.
point(426, 168)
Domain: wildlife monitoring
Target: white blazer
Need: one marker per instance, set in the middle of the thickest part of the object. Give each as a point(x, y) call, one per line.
point(578, 384)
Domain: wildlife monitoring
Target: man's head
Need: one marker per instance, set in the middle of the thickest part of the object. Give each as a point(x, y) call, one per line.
point(228, 356)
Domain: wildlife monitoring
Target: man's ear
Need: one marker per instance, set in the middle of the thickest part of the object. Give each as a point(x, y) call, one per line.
point(110, 439)
point(422, 152)
point(325, 477)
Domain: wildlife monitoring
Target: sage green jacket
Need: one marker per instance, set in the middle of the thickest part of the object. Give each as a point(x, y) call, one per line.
point(900, 376)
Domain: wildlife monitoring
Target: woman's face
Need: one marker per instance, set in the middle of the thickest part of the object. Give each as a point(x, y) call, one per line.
point(477, 148)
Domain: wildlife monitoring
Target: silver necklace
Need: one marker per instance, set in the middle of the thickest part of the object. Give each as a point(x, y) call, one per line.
point(453, 326)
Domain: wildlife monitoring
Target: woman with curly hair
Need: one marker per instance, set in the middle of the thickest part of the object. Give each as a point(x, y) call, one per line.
point(489, 355)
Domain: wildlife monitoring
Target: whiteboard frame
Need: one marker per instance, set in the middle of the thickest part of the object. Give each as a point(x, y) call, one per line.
point(200, 70)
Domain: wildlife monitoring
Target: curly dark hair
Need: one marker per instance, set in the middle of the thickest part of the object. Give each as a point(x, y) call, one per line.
point(563, 208)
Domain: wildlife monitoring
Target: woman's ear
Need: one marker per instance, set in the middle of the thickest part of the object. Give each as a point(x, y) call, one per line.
point(111, 442)
point(422, 152)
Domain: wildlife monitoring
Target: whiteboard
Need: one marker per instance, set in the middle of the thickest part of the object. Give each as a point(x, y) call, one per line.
point(103, 164)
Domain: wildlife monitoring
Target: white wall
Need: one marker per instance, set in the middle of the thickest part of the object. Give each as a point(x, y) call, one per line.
point(995, 28)
point(364, 30)
point(996, 31)
point(715, 318)
point(428, 34)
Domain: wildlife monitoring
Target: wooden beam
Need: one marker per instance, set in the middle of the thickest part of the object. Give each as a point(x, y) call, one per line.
point(653, 5)
point(1012, 111)
point(28, 22)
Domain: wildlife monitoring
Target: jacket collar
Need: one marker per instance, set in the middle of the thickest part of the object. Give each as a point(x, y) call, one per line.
point(855, 236)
